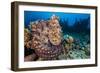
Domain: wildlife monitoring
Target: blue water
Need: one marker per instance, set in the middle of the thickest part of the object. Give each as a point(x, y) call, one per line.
point(66, 19)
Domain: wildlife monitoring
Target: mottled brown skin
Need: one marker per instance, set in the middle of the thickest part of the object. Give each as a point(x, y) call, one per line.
point(47, 43)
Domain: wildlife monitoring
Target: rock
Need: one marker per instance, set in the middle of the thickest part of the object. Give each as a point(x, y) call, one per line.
point(82, 48)
point(87, 50)
point(63, 57)
point(69, 39)
point(77, 54)
point(78, 47)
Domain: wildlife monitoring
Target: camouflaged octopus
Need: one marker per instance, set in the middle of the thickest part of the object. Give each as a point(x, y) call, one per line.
point(46, 38)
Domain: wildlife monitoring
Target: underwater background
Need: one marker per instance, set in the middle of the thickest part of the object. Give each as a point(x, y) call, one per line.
point(75, 25)
point(77, 21)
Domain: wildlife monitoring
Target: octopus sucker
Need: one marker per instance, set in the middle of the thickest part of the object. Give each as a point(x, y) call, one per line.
point(51, 53)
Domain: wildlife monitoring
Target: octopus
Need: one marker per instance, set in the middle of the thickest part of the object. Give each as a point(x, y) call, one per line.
point(46, 38)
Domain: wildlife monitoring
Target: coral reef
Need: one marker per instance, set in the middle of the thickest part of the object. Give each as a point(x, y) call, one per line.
point(27, 38)
point(45, 39)
point(76, 49)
